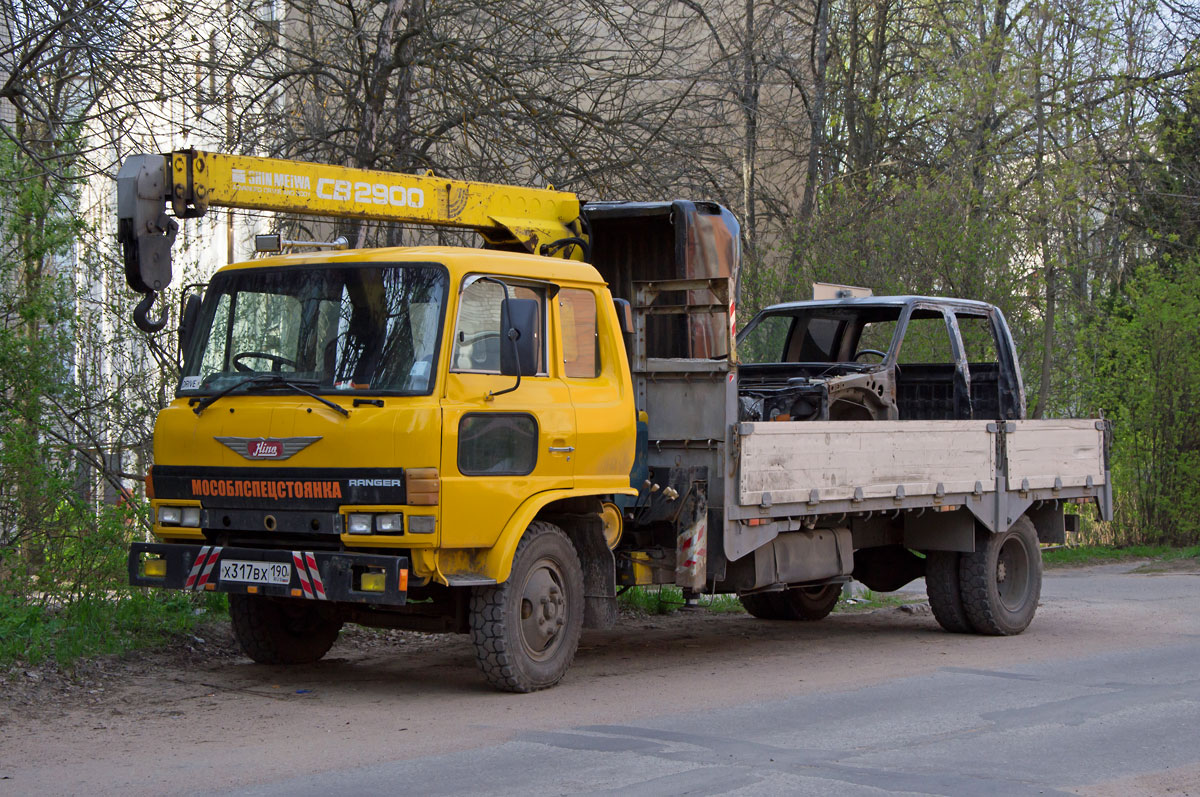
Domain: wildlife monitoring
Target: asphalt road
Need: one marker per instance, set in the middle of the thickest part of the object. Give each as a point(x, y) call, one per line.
point(1101, 696)
point(1124, 720)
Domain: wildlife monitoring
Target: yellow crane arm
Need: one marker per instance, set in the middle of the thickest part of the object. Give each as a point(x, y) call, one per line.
point(539, 220)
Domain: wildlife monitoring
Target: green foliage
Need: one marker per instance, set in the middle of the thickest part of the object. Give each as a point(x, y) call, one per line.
point(1099, 554)
point(96, 625)
point(667, 598)
point(1171, 202)
point(59, 545)
point(1147, 375)
point(870, 599)
point(899, 236)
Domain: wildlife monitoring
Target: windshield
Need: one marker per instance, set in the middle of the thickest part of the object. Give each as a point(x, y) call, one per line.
point(844, 336)
point(354, 328)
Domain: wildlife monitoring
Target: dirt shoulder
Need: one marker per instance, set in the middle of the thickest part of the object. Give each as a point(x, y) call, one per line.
point(199, 716)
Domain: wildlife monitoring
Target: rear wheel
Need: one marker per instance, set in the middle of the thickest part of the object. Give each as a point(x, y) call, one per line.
point(761, 605)
point(811, 603)
point(283, 631)
point(945, 595)
point(526, 630)
point(1001, 581)
point(797, 603)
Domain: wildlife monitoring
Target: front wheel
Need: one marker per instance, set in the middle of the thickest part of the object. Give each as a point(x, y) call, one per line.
point(283, 631)
point(526, 630)
point(1001, 581)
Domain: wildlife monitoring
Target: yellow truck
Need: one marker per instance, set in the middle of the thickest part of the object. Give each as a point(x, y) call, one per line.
point(494, 441)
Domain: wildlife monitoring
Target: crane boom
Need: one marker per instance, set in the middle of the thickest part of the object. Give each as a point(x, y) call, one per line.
point(538, 220)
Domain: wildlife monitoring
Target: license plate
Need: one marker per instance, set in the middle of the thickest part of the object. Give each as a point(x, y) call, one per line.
point(256, 572)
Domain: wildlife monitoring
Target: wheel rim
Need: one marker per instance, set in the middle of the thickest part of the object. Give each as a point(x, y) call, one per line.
point(543, 609)
point(1012, 574)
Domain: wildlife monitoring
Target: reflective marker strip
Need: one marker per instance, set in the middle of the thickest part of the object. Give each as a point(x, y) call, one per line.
point(318, 584)
point(300, 571)
point(195, 571)
point(212, 560)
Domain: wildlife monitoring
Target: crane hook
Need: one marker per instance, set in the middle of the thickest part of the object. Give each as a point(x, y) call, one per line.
point(147, 325)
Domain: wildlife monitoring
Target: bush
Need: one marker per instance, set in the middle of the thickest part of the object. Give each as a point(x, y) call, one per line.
point(1147, 378)
point(31, 634)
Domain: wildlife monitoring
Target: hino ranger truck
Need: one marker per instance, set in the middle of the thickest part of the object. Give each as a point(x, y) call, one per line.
point(495, 441)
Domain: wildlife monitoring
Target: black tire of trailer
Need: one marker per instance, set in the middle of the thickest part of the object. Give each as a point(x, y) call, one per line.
point(944, 591)
point(1001, 581)
point(526, 630)
point(798, 603)
point(272, 631)
point(761, 605)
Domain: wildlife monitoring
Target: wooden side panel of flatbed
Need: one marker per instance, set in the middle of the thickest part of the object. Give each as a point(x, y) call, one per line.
point(1054, 453)
point(853, 464)
point(785, 462)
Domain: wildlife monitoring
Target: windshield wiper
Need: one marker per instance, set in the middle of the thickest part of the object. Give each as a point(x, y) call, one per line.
point(269, 380)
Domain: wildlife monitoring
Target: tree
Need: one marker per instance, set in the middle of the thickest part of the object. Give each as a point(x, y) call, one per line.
point(1170, 202)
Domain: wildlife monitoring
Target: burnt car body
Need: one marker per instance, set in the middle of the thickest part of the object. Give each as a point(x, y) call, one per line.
point(879, 358)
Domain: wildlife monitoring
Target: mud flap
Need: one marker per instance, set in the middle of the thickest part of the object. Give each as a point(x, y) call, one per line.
point(691, 544)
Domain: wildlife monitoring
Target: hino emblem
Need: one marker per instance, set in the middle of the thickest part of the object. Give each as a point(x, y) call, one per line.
point(267, 447)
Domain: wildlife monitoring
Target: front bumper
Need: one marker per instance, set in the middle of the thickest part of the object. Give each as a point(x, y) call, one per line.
point(315, 575)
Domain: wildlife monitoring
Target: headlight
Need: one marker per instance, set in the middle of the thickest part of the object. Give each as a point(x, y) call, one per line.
point(358, 523)
point(169, 515)
point(190, 517)
point(389, 524)
point(373, 582)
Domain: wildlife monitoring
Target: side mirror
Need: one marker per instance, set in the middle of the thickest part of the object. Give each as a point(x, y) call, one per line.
point(624, 315)
point(519, 337)
point(268, 243)
point(187, 320)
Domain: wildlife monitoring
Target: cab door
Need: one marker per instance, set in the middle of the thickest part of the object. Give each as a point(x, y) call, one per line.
point(499, 447)
point(593, 361)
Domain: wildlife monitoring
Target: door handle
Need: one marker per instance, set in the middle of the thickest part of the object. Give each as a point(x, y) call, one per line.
point(561, 449)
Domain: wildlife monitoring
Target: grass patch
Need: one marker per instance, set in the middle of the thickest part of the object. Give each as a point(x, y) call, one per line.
point(1097, 554)
point(869, 599)
point(93, 626)
point(666, 598)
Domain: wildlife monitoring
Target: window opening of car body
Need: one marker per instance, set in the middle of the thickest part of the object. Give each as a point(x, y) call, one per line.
point(876, 336)
point(765, 341)
point(978, 337)
point(822, 335)
point(926, 339)
point(814, 339)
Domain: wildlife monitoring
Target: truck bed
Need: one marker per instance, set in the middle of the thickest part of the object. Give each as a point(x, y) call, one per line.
point(994, 469)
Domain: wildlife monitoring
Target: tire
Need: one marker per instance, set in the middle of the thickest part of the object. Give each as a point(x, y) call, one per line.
point(526, 630)
point(810, 603)
point(762, 605)
point(798, 603)
point(1001, 581)
point(945, 594)
point(283, 631)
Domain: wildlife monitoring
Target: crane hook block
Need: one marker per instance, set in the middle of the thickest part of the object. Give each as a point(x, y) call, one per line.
point(144, 230)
